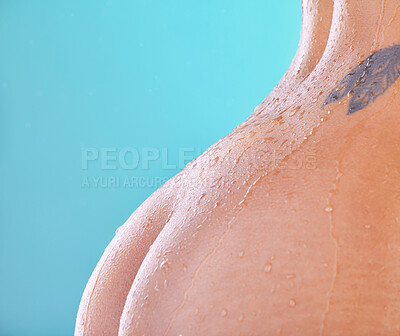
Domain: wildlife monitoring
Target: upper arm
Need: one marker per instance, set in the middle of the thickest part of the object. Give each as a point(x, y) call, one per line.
point(106, 291)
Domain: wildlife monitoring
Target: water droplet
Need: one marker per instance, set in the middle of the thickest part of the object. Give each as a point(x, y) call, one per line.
point(224, 312)
point(328, 209)
point(367, 226)
point(290, 276)
point(294, 111)
point(165, 284)
point(214, 161)
point(241, 317)
point(241, 253)
point(164, 265)
point(268, 268)
point(185, 268)
point(292, 303)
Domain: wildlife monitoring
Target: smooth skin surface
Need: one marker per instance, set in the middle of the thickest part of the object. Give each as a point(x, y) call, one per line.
point(287, 226)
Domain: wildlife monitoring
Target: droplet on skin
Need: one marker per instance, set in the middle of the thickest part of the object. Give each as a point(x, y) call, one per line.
point(294, 111)
point(241, 317)
point(241, 253)
point(165, 284)
point(164, 265)
point(268, 268)
point(292, 303)
point(224, 312)
point(214, 161)
point(328, 209)
point(290, 276)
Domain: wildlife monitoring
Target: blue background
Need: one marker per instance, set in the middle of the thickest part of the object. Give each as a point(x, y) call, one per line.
point(100, 74)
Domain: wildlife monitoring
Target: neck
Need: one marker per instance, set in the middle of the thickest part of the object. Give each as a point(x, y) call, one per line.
point(317, 19)
point(360, 28)
point(316, 23)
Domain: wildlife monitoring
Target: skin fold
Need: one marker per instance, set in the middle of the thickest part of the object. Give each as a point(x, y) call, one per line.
point(287, 226)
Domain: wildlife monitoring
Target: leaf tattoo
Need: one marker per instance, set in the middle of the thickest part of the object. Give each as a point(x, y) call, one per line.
point(368, 80)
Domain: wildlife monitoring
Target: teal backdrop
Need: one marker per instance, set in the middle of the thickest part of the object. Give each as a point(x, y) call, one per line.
point(112, 91)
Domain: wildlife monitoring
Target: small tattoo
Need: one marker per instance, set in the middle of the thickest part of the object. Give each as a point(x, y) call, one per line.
point(369, 80)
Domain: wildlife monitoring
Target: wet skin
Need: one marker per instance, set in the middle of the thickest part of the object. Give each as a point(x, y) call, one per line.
point(287, 226)
point(105, 294)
